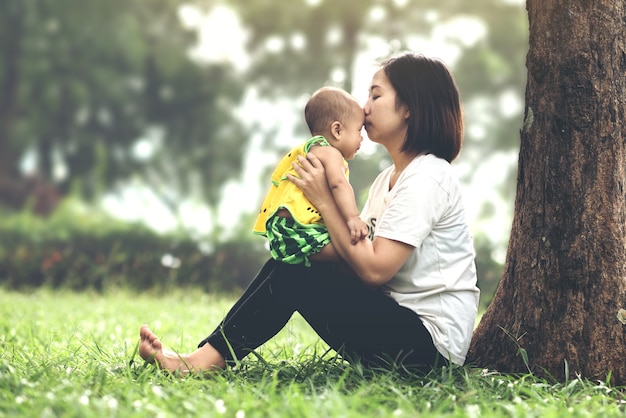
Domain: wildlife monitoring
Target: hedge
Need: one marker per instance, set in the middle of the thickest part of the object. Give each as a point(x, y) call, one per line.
point(83, 250)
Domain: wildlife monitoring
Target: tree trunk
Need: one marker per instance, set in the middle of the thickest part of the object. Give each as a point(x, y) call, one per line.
point(556, 308)
point(10, 53)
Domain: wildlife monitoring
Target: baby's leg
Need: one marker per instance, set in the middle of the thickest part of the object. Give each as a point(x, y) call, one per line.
point(327, 253)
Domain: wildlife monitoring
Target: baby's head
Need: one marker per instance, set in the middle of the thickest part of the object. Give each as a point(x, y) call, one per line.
point(327, 105)
point(336, 115)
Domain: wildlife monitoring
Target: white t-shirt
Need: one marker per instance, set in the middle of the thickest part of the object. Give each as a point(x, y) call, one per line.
point(438, 281)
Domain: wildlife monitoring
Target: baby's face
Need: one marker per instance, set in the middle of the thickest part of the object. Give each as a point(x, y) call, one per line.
point(351, 143)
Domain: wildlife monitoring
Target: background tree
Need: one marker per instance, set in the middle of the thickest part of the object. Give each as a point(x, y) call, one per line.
point(87, 87)
point(557, 308)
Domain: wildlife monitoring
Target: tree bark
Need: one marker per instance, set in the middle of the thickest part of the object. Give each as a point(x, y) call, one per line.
point(555, 311)
point(10, 50)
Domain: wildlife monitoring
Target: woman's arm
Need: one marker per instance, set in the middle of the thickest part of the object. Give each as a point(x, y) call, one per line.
point(375, 262)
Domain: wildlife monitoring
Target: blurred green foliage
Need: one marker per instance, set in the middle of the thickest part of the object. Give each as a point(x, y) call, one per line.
point(79, 249)
point(488, 270)
point(86, 85)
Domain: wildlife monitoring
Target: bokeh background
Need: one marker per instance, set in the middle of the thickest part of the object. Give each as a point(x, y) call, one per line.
point(136, 136)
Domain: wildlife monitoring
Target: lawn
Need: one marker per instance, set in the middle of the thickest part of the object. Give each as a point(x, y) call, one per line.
point(73, 355)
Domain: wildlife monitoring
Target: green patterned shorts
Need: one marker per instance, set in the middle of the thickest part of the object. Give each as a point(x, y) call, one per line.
point(293, 243)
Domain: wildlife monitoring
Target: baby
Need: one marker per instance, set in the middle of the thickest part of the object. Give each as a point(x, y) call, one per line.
point(294, 228)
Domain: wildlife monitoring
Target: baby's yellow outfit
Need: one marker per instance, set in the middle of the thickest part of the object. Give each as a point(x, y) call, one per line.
point(292, 240)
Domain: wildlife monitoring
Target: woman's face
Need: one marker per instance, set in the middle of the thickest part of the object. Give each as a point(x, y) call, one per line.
point(385, 123)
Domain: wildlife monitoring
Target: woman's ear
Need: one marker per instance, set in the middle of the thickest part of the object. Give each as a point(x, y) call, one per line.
point(336, 129)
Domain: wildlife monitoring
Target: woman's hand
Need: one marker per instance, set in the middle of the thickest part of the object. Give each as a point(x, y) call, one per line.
point(312, 180)
point(376, 261)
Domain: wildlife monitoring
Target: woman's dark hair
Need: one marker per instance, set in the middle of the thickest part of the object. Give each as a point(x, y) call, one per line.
point(426, 87)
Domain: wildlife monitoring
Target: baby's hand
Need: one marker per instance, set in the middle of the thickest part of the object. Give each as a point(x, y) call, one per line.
point(358, 229)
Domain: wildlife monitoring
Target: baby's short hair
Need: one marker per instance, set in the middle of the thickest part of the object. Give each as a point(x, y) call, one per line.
point(326, 105)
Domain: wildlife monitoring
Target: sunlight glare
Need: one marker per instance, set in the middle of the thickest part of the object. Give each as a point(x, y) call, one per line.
point(333, 36)
point(463, 29)
point(190, 16)
point(377, 13)
point(275, 44)
point(431, 16)
point(221, 35)
point(143, 150)
point(510, 103)
point(298, 41)
point(338, 75)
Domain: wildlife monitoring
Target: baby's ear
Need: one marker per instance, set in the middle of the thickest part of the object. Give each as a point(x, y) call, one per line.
point(336, 128)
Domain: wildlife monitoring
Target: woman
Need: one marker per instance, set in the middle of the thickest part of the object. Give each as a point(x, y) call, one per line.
point(412, 299)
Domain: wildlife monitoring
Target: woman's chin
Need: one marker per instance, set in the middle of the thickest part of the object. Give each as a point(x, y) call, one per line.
point(369, 135)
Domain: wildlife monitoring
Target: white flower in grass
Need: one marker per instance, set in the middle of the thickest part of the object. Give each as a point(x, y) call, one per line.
point(472, 411)
point(297, 349)
point(220, 406)
point(112, 403)
point(240, 414)
point(84, 400)
point(157, 391)
point(20, 399)
point(398, 413)
point(155, 411)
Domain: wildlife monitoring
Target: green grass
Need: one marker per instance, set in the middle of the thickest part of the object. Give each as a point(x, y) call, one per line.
point(73, 355)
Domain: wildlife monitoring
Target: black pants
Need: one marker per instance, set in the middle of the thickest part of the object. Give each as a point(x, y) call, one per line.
point(359, 322)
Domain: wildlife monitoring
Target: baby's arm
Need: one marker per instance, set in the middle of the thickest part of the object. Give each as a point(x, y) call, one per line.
point(342, 190)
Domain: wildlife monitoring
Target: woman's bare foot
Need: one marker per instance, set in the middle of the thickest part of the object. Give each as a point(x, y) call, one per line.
point(201, 360)
point(151, 350)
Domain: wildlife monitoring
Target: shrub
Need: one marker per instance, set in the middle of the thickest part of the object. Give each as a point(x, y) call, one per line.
point(81, 249)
